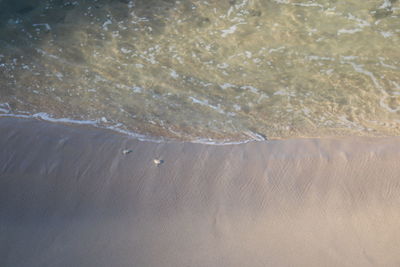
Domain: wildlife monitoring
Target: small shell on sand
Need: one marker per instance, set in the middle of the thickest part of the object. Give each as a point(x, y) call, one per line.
point(126, 151)
point(158, 162)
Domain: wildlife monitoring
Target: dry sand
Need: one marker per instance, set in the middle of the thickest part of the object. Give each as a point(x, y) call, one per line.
point(70, 197)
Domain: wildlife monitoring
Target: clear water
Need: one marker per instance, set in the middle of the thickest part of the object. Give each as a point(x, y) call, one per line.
point(216, 70)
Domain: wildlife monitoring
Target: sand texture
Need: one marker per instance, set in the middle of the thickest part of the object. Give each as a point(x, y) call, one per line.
point(69, 196)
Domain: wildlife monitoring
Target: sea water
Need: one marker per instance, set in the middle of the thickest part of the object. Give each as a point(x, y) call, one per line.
point(209, 71)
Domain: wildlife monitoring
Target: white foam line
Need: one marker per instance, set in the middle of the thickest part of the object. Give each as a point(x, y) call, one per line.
point(207, 104)
point(137, 136)
point(106, 23)
point(5, 108)
point(382, 103)
point(230, 30)
point(95, 123)
point(216, 143)
point(362, 23)
point(47, 117)
point(359, 69)
point(348, 31)
point(304, 4)
point(388, 66)
point(46, 25)
point(308, 5)
point(386, 106)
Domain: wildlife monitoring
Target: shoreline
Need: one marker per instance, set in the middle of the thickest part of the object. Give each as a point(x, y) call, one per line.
point(48, 118)
point(69, 196)
point(41, 116)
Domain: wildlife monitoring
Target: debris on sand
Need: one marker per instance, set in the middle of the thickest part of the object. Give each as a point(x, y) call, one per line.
point(158, 162)
point(126, 151)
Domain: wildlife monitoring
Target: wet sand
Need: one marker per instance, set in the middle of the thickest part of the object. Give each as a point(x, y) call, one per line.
point(69, 196)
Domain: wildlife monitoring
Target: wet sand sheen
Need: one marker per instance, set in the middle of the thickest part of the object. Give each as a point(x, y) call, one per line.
point(69, 196)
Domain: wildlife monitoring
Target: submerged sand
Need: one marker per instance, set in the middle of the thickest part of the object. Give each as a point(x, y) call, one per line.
point(70, 197)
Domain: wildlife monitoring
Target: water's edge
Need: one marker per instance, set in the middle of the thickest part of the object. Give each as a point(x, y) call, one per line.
point(140, 137)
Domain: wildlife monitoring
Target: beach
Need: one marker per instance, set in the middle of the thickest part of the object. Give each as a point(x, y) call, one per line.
point(83, 196)
point(193, 133)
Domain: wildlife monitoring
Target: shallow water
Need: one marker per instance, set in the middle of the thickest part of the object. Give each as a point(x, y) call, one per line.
point(205, 70)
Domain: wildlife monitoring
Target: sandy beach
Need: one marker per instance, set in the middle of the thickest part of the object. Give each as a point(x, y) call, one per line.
point(69, 196)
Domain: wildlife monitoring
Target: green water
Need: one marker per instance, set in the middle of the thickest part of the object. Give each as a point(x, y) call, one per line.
point(206, 70)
